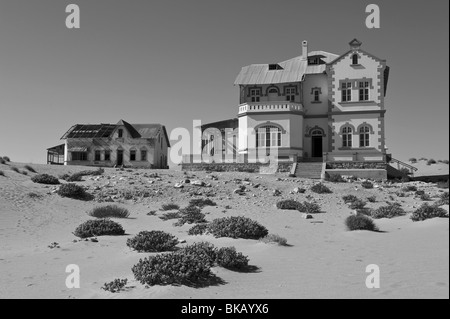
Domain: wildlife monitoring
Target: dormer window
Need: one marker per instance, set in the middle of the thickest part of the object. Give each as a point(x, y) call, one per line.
point(355, 59)
point(273, 67)
point(120, 133)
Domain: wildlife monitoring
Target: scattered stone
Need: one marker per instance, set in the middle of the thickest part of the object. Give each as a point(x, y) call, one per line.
point(198, 183)
point(178, 185)
point(307, 216)
point(276, 192)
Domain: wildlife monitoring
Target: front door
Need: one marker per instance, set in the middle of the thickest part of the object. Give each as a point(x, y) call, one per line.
point(119, 157)
point(317, 146)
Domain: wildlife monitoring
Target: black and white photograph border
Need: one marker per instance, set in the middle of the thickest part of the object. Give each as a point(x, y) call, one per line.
point(247, 151)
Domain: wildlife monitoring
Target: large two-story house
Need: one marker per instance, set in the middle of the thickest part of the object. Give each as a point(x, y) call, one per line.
point(315, 107)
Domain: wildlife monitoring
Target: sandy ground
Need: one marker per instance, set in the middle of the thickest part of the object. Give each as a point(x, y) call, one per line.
point(324, 260)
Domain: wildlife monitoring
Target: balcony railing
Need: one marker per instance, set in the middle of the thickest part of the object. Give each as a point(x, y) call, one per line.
point(268, 107)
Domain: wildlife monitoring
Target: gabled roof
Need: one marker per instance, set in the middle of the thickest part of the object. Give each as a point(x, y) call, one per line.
point(293, 70)
point(147, 131)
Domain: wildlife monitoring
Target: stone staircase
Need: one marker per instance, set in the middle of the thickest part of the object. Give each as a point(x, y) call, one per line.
point(309, 170)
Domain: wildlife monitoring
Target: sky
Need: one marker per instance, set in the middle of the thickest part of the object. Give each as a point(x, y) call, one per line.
point(173, 61)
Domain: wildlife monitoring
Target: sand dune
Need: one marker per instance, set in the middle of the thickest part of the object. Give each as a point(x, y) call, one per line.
point(323, 260)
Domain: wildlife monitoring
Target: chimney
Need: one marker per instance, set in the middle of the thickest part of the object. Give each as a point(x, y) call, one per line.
point(305, 50)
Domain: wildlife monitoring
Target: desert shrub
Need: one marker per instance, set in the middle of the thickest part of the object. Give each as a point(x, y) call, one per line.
point(413, 160)
point(152, 241)
point(191, 215)
point(320, 189)
point(6, 159)
point(389, 211)
point(419, 192)
point(115, 286)
point(372, 199)
point(25, 173)
point(34, 195)
point(77, 177)
point(445, 162)
point(203, 251)
point(423, 159)
point(442, 185)
point(360, 222)
point(426, 211)
point(358, 204)
point(425, 197)
point(272, 238)
point(2, 173)
point(349, 198)
point(199, 229)
point(431, 161)
point(443, 199)
point(170, 206)
point(29, 168)
point(237, 227)
point(171, 215)
point(335, 178)
point(367, 184)
point(99, 227)
point(409, 188)
point(15, 169)
point(2, 161)
point(173, 268)
point(405, 171)
point(310, 208)
point(229, 258)
point(64, 177)
point(288, 204)
point(72, 191)
point(110, 211)
point(405, 179)
point(201, 202)
point(45, 179)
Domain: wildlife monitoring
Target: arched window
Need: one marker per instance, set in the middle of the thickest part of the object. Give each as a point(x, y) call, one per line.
point(355, 59)
point(268, 136)
point(347, 137)
point(364, 136)
point(316, 133)
point(273, 91)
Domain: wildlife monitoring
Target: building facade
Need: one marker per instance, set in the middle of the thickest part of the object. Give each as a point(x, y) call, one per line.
point(121, 144)
point(316, 107)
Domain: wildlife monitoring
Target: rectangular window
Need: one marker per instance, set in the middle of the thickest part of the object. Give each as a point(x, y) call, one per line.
point(120, 133)
point(79, 156)
point(364, 91)
point(346, 91)
point(98, 156)
point(255, 95)
point(290, 94)
point(132, 156)
point(107, 156)
point(364, 140)
point(143, 155)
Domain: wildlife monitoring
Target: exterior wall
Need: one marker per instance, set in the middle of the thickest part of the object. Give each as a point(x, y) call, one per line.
point(315, 82)
point(292, 131)
point(160, 152)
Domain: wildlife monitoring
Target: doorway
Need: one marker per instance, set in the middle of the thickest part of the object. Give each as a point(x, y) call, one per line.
point(119, 157)
point(317, 146)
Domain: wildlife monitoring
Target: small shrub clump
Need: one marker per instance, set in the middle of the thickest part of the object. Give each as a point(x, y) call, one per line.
point(77, 177)
point(2, 161)
point(191, 215)
point(413, 160)
point(29, 168)
point(367, 185)
point(289, 204)
point(425, 197)
point(426, 211)
point(45, 179)
point(310, 208)
point(358, 204)
point(152, 241)
point(15, 169)
point(431, 161)
point(442, 185)
point(335, 178)
point(409, 188)
point(171, 215)
point(229, 258)
point(6, 159)
point(201, 202)
point(171, 269)
point(100, 227)
point(115, 286)
point(237, 227)
point(272, 238)
point(360, 222)
point(170, 206)
point(443, 199)
point(389, 211)
point(349, 198)
point(203, 251)
point(110, 211)
point(321, 189)
point(199, 229)
point(2, 173)
point(372, 199)
point(72, 191)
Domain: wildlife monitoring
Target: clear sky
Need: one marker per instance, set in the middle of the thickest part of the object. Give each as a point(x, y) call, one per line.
point(172, 61)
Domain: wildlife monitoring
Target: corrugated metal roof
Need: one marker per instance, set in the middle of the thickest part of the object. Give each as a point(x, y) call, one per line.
point(293, 70)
